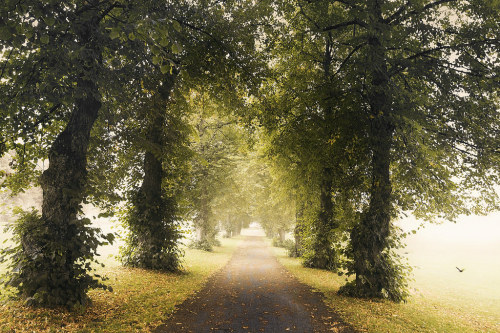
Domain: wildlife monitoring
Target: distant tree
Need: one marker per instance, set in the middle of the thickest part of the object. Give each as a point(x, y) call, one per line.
point(233, 207)
point(216, 146)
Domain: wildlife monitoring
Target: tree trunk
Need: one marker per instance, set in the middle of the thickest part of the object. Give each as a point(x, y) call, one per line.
point(239, 226)
point(64, 181)
point(63, 185)
point(154, 237)
point(149, 203)
point(297, 232)
point(370, 237)
point(203, 221)
point(324, 255)
point(281, 235)
point(229, 228)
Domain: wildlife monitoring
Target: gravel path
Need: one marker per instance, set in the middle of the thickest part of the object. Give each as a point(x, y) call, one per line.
point(254, 293)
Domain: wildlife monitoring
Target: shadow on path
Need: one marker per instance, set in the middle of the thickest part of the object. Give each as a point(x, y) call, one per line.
point(254, 293)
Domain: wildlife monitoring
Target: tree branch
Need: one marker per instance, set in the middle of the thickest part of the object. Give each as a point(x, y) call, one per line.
point(307, 17)
point(404, 62)
point(348, 57)
point(347, 3)
point(396, 17)
point(109, 9)
point(345, 24)
point(5, 63)
point(45, 117)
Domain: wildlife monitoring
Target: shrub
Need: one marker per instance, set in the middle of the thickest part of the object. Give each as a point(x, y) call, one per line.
point(51, 265)
point(292, 249)
point(152, 241)
point(204, 244)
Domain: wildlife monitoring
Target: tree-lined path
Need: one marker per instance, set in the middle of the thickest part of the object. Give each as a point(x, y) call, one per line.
point(254, 293)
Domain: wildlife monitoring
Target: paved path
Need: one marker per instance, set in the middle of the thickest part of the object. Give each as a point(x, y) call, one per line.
point(254, 293)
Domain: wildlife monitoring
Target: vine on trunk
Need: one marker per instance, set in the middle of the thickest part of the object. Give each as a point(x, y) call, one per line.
point(51, 265)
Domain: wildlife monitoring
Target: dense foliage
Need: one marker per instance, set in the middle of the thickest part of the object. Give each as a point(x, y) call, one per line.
point(373, 102)
point(53, 270)
point(327, 118)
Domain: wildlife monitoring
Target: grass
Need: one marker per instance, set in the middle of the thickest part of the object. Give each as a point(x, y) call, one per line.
point(428, 310)
point(141, 299)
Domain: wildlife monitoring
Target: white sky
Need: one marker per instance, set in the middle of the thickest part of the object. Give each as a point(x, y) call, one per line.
point(468, 229)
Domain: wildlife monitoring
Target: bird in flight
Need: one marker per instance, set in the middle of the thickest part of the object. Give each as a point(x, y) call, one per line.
point(460, 270)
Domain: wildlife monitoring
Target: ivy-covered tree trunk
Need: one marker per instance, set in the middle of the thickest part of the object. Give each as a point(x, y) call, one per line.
point(376, 275)
point(324, 255)
point(51, 262)
point(54, 274)
point(152, 243)
point(148, 218)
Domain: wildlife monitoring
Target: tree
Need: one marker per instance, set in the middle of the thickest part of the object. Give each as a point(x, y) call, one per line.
point(205, 53)
point(217, 145)
point(59, 56)
point(419, 75)
point(312, 131)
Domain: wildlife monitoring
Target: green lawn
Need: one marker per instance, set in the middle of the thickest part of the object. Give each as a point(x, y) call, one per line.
point(449, 303)
point(140, 300)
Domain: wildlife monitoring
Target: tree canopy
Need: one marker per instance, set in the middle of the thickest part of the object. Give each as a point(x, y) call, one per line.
point(329, 118)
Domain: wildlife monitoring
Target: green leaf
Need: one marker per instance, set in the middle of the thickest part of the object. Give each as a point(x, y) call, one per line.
point(177, 26)
point(105, 215)
point(156, 60)
point(164, 42)
point(176, 48)
point(115, 33)
point(50, 21)
point(165, 69)
point(44, 39)
point(131, 36)
point(5, 33)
